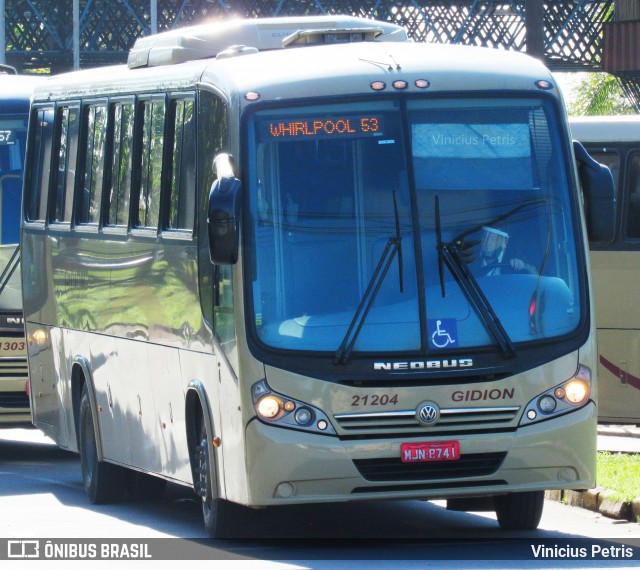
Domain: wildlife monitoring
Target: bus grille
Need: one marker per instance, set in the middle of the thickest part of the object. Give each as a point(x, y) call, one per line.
point(14, 400)
point(14, 368)
point(406, 422)
point(393, 469)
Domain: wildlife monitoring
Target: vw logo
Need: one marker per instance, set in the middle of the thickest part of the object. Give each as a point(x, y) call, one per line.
point(428, 413)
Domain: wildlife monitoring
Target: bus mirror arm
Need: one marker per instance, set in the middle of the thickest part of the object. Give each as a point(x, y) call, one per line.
point(599, 195)
point(224, 220)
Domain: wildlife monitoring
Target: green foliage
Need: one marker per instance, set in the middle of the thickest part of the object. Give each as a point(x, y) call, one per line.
point(619, 472)
point(600, 94)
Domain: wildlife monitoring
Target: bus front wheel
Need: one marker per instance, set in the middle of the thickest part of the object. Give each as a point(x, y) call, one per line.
point(519, 511)
point(103, 482)
point(215, 511)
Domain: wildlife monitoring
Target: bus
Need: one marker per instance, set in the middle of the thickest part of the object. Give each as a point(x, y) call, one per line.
point(15, 95)
point(615, 141)
point(252, 266)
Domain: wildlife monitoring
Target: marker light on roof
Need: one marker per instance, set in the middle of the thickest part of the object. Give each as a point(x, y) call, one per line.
point(252, 96)
point(543, 84)
point(400, 84)
point(422, 83)
point(378, 85)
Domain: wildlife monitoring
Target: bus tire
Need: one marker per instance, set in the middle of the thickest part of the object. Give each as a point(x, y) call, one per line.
point(103, 482)
point(215, 511)
point(519, 511)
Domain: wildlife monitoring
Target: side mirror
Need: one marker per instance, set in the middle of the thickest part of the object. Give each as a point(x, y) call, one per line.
point(599, 195)
point(224, 214)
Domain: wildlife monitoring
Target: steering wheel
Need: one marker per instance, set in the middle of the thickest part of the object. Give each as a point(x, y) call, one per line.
point(503, 269)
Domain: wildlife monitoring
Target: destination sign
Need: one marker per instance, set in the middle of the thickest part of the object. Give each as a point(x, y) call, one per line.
point(7, 136)
point(323, 127)
point(459, 140)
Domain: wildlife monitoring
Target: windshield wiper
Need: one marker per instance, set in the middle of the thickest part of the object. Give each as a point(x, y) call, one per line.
point(399, 240)
point(393, 247)
point(439, 246)
point(453, 257)
point(474, 294)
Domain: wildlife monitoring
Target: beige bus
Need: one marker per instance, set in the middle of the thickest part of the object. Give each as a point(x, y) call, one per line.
point(297, 261)
point(615, 141)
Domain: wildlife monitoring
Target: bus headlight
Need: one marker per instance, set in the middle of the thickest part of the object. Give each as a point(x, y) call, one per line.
point(570, 395)
point(576, 391)
point(547, 404)
point(38, 337)
point(279, 410)
point(303, 416)
point(269, 407)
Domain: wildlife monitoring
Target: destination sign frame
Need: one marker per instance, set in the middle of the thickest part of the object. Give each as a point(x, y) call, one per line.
point(322, 127)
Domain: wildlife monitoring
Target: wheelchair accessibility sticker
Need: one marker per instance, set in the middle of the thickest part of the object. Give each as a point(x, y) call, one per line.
point(443, 333)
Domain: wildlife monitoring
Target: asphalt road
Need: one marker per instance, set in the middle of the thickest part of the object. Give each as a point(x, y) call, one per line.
point(41, 497)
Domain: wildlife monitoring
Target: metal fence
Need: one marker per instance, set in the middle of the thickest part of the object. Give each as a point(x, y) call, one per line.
point(63, 34)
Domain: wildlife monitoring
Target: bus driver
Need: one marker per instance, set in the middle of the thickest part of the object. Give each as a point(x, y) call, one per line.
point(493, 245)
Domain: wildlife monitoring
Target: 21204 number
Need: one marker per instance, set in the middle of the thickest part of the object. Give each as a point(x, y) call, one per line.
point(374, 400)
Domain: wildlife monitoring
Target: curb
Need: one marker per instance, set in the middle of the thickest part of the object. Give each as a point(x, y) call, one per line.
point(599, 500)
point(619, 430)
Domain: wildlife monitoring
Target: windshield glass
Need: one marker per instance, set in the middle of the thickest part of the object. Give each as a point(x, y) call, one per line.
point(365, 236)
point(13, 135)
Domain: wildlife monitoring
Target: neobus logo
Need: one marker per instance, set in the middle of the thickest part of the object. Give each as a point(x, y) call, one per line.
point(424, 364)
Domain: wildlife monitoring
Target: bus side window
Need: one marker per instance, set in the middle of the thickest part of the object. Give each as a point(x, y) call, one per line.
point(182, 183)
point(119, 190)
point(148, 210)
point(95, 130)
point(40, 164)
point(65, 170)
point(633, 204)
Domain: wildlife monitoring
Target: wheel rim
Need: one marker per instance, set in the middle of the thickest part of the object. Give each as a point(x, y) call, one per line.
point(89, 454)
point(203, 473)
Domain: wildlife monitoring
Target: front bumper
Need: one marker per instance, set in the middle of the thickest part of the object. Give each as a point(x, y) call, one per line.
point(289, 467)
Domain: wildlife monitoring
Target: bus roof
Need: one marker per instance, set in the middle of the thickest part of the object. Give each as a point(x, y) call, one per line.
point(18, 86)
point(348, 69)
point(318, 71)
point(606, 129)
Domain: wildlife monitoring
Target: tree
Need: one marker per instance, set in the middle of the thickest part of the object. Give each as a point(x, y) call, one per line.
point(600, 94)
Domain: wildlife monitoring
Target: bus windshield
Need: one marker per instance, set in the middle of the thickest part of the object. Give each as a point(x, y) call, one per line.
point(415, 226)
point(13, 134)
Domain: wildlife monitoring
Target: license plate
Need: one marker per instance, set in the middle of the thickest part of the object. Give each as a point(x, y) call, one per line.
point(431, 451)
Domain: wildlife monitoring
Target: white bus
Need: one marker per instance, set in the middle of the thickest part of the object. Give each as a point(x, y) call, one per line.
point(253, 266)
point(615, 262)
point(15, 97)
